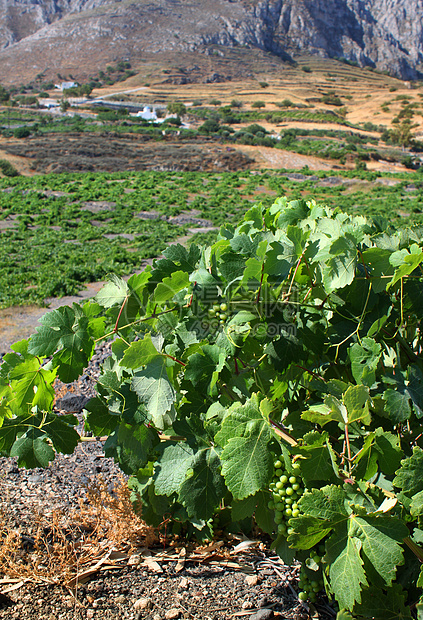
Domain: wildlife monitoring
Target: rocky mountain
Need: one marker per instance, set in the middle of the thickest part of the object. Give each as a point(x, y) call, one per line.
point(65, 35)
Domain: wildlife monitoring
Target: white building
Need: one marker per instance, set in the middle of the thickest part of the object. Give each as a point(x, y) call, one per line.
point(65, 85)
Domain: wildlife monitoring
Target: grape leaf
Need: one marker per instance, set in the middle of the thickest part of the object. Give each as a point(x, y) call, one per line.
point(156, 392)
point(356, 400)
point(378, 605)
point(170, 286)
point(279, 259)
point(416, 508)
point(31, 385)
point(380, 447)
point(131, 446)
point(397, 404)
point(318, 458)
point(187, 259)
point(339, 268)
point(241, 509)
point(377, 262)
point(364, 360)
point(381, 537)
point(170, 471)
point(347, 576)
point(67, 328)
point(32, 449)
point(406, 262)
point(410, 475)
point(98, 418)
point(204, 367)
point(113, 293)
point(140, 353)
point(59, 430)
point(246, 461)
point(204, 486)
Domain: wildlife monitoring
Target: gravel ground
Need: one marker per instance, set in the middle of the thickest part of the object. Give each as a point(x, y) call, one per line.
point(139, 584)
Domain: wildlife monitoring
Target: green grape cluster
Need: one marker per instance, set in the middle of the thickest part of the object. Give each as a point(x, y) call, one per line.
point(286, 489)
point(309, 584)
point(219, 312)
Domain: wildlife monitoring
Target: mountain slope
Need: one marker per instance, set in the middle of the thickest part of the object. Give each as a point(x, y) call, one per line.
point(47, 35)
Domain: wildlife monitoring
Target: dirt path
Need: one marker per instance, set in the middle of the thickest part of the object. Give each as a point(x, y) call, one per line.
point(19, 322)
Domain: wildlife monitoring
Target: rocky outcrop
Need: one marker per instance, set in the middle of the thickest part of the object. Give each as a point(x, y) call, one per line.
point(386, 34)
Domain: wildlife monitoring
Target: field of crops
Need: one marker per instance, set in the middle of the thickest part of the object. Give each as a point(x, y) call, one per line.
point(59, 231)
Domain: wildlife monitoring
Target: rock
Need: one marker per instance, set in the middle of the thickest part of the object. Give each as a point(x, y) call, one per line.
point(143, 603)
point(382, 34)
point(251, 580)
point(120, 600)
point(172, 614)
point(72, 403)
point(262, 614)
point(183, 584)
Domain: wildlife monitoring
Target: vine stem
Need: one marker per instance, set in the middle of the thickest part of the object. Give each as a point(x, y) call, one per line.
point(347, 442)
point(143, 319)
point(261, 284)
point(119, 315)
point(363, 263)
point(418, 551)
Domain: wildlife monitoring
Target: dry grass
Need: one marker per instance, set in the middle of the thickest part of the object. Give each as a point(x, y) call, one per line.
point(67, 549)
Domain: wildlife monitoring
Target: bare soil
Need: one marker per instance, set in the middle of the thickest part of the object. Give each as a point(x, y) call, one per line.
point(111, 152)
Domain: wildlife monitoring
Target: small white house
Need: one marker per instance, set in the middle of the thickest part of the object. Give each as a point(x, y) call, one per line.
point(147, 114)
point(65, 85)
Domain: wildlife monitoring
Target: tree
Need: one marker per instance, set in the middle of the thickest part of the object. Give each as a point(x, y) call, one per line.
point(4, 95)
point(176, 107)
point(402, 133)
point(64, 105)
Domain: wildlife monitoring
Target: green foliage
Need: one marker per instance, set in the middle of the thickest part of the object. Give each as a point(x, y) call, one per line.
point(288, 351)
point(176, 107)
point(22, 132)
point(41, 224)
point(8, 169)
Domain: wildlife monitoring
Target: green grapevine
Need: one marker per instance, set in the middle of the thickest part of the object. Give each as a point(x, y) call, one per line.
point(281, 364)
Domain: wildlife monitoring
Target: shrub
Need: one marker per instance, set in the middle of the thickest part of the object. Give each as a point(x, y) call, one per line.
point(22, 132)
point(8, 169)
point(258, 104)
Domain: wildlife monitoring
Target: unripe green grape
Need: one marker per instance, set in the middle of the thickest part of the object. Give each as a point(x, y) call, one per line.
point(283, 478)
point(277, 464)
point(296, 513)
point(211, 313)
point(271, 505)
point(223, 307)
point(288, 500)
point(303, 596)
point(282, 492)
point(223, 316)
point(279, 485)
point(216, 307)
point(288, 512)
point(296, 486)
point(289, 490)
point(296, 465)
point(292, 480)
point(278, 473)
